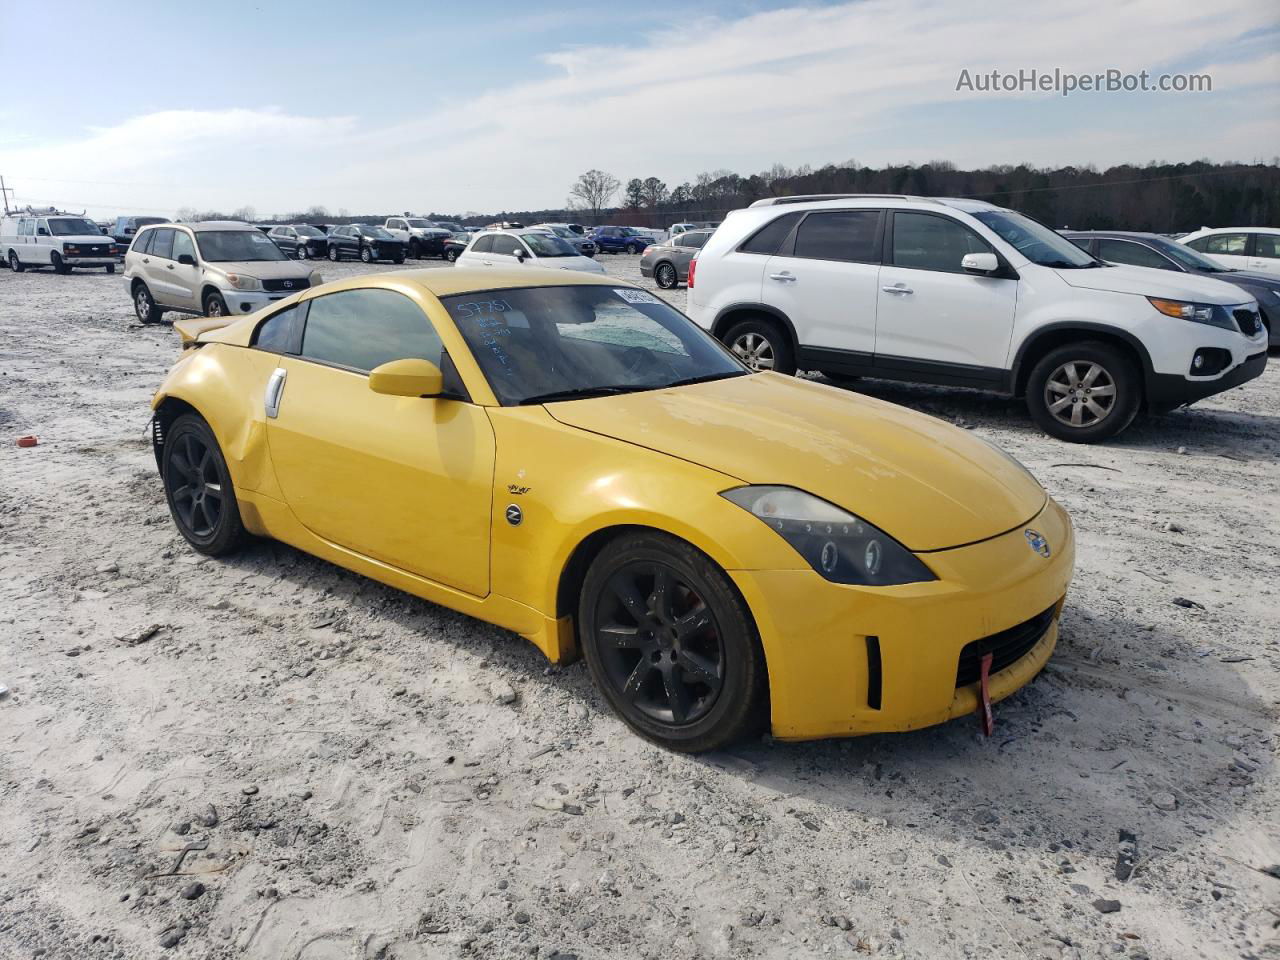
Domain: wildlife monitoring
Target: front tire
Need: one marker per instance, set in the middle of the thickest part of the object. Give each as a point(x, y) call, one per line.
point(366, 255)
point(451, 255)
point(215, 306)
point(111, 268)
point(671, 645)
point(198, 488)
point(666, 276)
point(632, 248)
point(300, 252)
point(333, 253)
point(1084, 392)
point(58, 265)
point(761, 345)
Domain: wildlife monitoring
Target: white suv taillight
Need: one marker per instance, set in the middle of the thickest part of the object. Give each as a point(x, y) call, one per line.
point(693, 268)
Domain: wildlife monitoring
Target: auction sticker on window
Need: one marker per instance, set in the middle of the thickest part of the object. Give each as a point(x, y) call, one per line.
point(635, 296)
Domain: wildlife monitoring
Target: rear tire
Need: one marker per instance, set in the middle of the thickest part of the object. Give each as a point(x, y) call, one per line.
point(671, 645)
point(666, 276)
point(111, 268)
point(1084, 392)
point(144, 305)
point(398, 258)
point(451, 255)
point(762, 345)
point(300, 252)
point(333, 253)
point(198, 488)
point(16, 265)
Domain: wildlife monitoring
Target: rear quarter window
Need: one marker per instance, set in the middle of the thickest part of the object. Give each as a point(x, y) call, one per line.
point(768, 238)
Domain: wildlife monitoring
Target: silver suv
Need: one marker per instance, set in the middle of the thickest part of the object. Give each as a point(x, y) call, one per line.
point(218, 268)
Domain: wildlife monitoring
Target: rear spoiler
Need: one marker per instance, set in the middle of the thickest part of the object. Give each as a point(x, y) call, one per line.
point(191, 328)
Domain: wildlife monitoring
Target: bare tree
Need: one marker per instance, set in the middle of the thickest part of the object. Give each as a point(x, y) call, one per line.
point(593, 191)
point(653, 191)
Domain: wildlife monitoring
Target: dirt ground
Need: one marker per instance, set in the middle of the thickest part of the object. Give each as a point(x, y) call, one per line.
point(299, 763)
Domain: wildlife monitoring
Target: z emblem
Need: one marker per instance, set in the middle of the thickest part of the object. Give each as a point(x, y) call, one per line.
point(1038, 543)
point(515, 516)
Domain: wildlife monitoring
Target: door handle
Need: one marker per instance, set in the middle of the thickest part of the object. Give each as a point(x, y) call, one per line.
point(170, 266)
point(898, 288)
point(488, 263)
point(785, 277)
point(275, 390)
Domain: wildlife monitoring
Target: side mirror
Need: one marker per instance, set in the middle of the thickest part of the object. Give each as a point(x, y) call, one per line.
point(980, 263)
point(186, 258)
point(411, 377)
point(520, 254)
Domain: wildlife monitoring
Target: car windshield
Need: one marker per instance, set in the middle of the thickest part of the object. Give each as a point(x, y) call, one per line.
point(1034, 240)
point(548, 245)
point(73, 227)
point(233, 246)
point(1186, 256)
point(373, 233)
point(562, 232)
point(539, 344)
point(421, 223)
point(309, 232)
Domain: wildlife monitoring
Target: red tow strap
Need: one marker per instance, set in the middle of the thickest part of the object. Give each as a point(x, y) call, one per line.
point(984, 709)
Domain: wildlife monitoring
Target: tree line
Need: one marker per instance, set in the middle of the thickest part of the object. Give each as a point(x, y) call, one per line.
point(1160, 197)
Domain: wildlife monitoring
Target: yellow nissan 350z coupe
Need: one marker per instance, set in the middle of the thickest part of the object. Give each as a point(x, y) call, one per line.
point(570, 458)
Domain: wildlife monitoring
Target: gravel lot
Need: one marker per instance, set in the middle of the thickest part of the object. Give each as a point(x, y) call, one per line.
point(333, 758)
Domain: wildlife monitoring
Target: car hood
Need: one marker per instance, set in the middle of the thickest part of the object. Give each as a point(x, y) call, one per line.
point(86, 238)
point(1150, 282)
point(924, 482)
point(1271, 281)
point(266, 269)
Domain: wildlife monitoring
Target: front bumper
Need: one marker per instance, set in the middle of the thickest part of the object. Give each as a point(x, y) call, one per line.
point(1166, 391)
point(94, 261)
point(247, 301)
point(826, 679)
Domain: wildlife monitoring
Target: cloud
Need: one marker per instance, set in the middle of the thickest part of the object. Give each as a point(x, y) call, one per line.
point(874, 80)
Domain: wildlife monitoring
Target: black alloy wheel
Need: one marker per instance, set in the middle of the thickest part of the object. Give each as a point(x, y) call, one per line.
point(666, 276)
point(670, 643)
point(198, 488)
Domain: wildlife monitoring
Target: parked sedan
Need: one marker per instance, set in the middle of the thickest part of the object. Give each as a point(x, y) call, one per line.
point(366, 242)
point(301, 241)
point(583, 244)
point(536, 248)
point(668, 263)
point(1160, 253)
point(571, 459)
point(454, 246)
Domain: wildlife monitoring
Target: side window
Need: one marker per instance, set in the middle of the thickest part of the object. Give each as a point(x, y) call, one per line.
point(397, 225)
point(361, 329)
point(768, 238)
point(162, 245)
point(279, 333)
point(506, 245)
point(42, 228)
point(25, 229)
point(1266, 245)
point(182, 245)
point(852, 236)
point(1082, 243)
point(483, 245)
point(922, 241)
point(1134, 254)
point(1231, 244)
point(142, 241)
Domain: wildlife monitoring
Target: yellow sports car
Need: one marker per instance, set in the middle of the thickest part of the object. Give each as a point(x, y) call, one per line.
point(569, 458)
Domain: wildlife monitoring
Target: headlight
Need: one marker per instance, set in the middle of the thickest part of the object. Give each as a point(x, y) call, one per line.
point(315, 278)
point(242, 282)
point(838, 545)
point(1196, 312)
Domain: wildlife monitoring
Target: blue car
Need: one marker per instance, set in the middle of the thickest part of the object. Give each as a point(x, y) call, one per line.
point(620, 240)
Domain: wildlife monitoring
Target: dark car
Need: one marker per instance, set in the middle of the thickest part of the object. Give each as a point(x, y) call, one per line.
point(456, 244)
point(668, 262)
point(123, 229)
point(1160, 253)
point(300, 240)
point(366, 242)
point(619, 240)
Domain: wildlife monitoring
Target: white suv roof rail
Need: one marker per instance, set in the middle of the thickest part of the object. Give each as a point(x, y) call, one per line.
point(815, 197)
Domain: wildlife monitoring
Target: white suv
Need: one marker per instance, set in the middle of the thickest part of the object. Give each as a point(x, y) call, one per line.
point(1241, 248)
point(965, 293)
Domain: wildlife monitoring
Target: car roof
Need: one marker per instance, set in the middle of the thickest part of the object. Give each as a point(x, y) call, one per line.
point(1136, 234)
point(1204, 230)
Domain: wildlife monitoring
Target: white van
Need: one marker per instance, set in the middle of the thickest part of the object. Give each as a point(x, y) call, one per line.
point(60, 241)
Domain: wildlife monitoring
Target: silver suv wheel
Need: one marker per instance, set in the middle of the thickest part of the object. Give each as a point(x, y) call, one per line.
point(753, 350)
point(1080, 393)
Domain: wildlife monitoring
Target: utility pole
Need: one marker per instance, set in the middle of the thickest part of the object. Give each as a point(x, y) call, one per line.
point(4, 194)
